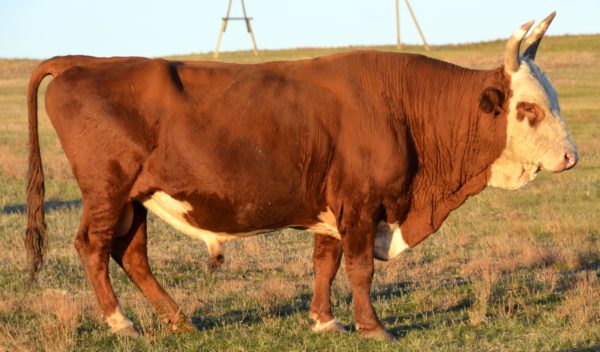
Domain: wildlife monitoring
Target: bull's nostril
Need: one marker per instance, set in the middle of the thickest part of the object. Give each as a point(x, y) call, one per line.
point(570, 160)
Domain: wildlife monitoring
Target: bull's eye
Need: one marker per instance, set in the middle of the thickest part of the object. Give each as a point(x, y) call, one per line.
point(532, 111)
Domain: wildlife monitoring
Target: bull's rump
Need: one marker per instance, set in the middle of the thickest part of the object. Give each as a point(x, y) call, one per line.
point(245, 147)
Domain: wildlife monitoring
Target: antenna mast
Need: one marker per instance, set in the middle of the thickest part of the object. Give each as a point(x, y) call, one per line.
point(414, 18)
point(229, 18)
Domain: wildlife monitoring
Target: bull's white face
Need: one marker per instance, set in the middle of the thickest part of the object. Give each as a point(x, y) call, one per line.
point(537, 136)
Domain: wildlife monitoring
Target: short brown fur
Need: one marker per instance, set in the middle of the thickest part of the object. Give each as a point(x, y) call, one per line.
point(373, 136)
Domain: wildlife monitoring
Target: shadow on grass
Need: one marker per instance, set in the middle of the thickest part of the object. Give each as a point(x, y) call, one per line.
point(418, 321)
point(390, 291)
point(204, 320)
point(49, 206)
point(583, 349)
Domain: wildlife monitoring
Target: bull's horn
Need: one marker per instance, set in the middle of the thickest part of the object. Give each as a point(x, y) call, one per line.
point(532, 42)
point(511, 53)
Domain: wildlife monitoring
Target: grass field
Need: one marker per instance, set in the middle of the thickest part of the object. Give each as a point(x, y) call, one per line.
point(508, 271)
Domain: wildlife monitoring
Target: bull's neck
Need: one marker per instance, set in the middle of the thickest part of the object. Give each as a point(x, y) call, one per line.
point(439, 103)
point(441, 116)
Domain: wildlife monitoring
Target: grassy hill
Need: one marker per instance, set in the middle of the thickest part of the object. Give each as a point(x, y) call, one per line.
point(510, 271)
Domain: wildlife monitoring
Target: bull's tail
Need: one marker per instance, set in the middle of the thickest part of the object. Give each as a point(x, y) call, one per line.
point(35, 235)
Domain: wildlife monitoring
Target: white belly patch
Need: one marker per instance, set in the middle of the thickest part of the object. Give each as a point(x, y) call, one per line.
point(388, 239)
point(173, 212)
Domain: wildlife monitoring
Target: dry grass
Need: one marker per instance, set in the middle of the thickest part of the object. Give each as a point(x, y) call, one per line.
point(507, 271)
point(581, 302)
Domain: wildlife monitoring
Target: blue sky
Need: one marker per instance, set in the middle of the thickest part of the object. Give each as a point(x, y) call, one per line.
point(44, 28)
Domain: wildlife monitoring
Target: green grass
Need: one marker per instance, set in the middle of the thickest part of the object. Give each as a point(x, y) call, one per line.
point(508, 271)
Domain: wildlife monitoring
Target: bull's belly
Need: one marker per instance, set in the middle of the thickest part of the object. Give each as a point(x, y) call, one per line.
point(388, 239)
point(174, 212)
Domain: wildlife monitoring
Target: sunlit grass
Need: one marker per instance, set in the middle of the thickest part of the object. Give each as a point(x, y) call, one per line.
point(507, 271)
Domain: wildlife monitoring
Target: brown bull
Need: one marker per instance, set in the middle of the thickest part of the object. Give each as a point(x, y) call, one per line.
point(369, 150)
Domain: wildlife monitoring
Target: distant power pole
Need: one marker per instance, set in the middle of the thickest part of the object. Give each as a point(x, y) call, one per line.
point(229, 18)
point(412, 14)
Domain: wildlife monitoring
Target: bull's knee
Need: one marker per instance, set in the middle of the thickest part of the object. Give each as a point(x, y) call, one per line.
point(79, 242)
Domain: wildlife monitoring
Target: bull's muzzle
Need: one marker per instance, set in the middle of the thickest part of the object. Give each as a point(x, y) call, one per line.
point(570, 160)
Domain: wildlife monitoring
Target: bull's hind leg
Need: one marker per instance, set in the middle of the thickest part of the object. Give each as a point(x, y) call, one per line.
point(326, 259)
point(215, 252)
point(93, 243)
point(130, 251)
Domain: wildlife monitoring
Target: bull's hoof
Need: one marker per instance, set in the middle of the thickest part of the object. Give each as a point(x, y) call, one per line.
point(182, 325)
point(330, 326)
point(378, 334)
point(216, 262)
point(128, 331)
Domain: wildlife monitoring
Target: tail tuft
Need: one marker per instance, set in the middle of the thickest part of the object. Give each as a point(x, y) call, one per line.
point(35, 235)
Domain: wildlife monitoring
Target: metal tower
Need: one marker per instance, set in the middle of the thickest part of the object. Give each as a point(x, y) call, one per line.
point(229, 18)
point(412, 14)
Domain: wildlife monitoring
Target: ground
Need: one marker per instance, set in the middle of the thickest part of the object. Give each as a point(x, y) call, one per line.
point(508, 271)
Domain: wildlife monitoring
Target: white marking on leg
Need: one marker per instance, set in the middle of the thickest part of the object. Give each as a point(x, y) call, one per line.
point(388, 241)
point(118, 321)
point(332, 325)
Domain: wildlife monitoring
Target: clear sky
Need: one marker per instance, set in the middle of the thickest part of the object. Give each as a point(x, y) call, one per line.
point(44, 28)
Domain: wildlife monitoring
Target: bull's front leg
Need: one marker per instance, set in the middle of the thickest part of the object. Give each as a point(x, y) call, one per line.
point(326, 258)
point(358, 242)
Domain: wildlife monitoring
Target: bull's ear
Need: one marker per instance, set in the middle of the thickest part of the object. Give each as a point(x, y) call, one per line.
point(491, 101)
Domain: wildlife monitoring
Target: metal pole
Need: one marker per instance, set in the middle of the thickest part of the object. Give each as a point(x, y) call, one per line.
point(398, 44)
point(223, 29)
point(412, 14)
point(253, 39)
point(249, 28)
